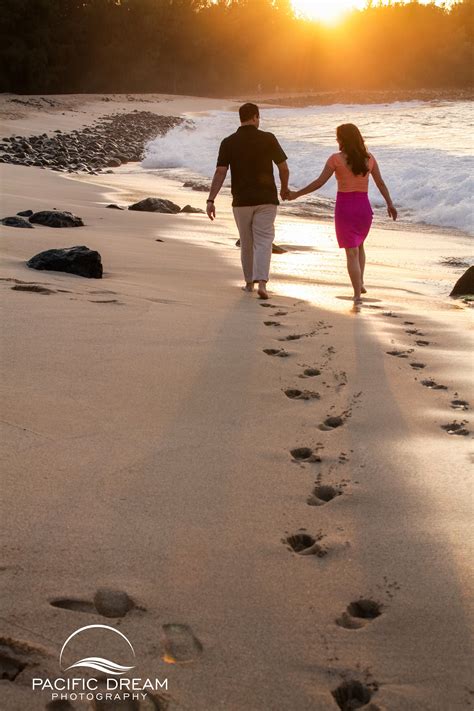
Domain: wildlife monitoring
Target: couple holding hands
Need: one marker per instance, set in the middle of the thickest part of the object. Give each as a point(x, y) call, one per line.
point(250, 154)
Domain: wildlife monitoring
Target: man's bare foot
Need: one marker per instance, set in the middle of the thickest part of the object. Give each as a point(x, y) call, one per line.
point(248, 286)
point(363, 290)
point(262, 290)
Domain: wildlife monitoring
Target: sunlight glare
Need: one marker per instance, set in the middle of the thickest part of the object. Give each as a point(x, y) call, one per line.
point(327, 11)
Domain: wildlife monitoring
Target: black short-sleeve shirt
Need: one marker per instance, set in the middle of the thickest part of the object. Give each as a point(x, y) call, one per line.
point(250, 153)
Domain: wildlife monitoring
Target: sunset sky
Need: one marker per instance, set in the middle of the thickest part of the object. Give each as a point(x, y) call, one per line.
point(330, 11)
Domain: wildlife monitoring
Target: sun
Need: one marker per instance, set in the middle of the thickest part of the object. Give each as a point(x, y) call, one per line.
point(327, 11)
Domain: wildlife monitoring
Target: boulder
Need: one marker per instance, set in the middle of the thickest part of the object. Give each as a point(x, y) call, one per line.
point(199, 187)
point(56, 218)
point(156, 205)
point(25, 213)
point(465, 284)
point(75, 260)
point(15, 222)
point(188, 208)
point(276, 249)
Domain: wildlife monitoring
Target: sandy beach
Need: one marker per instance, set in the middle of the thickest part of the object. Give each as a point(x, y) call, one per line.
point(150, 445)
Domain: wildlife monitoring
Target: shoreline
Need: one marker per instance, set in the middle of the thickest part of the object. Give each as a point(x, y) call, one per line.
point(150, 446)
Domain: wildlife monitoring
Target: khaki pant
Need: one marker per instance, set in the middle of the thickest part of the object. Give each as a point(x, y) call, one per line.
point(256, 225)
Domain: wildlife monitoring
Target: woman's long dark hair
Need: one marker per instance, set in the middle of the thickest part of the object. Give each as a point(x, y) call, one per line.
point(352, 144)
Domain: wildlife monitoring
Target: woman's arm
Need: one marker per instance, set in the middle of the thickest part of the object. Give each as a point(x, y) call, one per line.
point(316, 184)
point(377, 176)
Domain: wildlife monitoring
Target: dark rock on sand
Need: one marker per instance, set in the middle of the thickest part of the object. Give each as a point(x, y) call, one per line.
point(156, 205)
point(199, 187)
point(112, 603)
point(115, 207)
point(276, 249)
point(56, 218)
point(15, 222)
point(188, 208)
point(25, 213)
point(465, 284)
point(75, 260)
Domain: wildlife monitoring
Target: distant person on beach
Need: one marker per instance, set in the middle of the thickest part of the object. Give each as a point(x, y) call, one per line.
point(353, 213)
point(250, 154)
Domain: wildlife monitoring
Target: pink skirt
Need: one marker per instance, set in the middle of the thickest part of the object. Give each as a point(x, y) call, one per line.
point(353, 218)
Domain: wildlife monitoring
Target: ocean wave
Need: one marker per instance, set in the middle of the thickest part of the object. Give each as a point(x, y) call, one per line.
point(423, 152)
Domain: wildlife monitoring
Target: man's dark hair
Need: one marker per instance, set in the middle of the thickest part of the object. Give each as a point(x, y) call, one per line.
point(248, 111)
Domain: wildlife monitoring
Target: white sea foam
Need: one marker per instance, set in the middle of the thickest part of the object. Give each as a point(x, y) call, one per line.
point(424, 151)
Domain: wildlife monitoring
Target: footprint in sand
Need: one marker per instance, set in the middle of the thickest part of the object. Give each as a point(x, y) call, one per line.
point(105, 301)
point(400, 354)
point(293, 337)
point(304, 544)
point(281, 313)
point(10, 667)
point(295, 394)
point(331, 423)
point(433, 385)
point(418, 366)
point(304, 454)
point(36, 288)
point(310, 373)
point(180, 645)
point(279, 352)
point(456, 428)
point(459, 405)
point(358, 613)
point(409, 323)
point(106, 602)
point(15, 656)
point(272, 323)
point(389, 313)
point(268, 306)
point(352, 694)
point(422, 343)
point(414, 332)
point(322, 495)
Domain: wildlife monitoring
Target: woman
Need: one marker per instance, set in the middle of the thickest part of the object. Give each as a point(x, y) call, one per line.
point(353, 214)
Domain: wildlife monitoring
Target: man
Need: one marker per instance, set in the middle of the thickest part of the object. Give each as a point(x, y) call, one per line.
point(250, 153)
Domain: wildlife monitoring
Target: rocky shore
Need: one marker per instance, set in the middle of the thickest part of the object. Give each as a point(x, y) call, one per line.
point(111, 141)
point(370, 96)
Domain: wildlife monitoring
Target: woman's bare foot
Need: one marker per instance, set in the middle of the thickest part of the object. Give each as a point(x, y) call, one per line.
point(363, 290)
point(248, 286)
point(357, 300)
point(262, 290)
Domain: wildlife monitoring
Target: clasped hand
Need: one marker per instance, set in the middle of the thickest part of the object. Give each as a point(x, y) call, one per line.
point(288, 194)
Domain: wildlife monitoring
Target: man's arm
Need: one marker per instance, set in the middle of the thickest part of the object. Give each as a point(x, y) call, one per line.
point(284, 172)
point(216, 185)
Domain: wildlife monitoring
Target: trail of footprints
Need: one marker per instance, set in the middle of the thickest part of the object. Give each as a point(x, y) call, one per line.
point(451, 428)
point(351, 692)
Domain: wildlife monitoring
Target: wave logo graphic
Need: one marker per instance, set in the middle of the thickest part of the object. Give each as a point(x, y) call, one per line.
point(97, 663)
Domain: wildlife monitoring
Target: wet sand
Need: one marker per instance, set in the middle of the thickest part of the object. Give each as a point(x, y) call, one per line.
point(147, 447)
